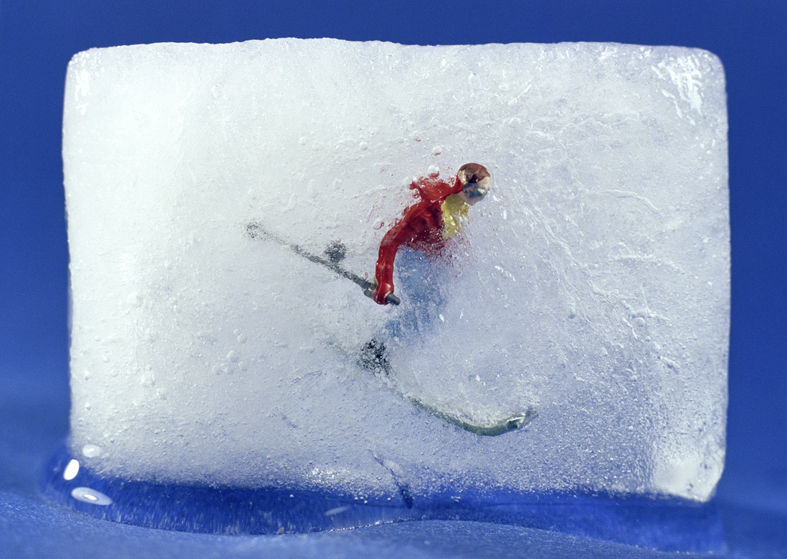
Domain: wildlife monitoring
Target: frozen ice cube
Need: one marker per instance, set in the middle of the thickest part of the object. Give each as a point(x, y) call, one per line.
point(591, 283)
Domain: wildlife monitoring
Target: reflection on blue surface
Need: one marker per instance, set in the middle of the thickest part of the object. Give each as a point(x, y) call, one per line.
point(666, 524)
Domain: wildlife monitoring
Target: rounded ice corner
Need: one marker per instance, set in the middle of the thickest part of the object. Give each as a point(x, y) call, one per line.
point(541, 334)
point(82, 57)
point(712, 60)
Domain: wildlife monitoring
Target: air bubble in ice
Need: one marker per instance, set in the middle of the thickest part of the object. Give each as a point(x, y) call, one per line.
point(91, 451)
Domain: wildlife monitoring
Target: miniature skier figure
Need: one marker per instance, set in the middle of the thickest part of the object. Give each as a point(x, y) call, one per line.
point(426, 225)
point(438, 215)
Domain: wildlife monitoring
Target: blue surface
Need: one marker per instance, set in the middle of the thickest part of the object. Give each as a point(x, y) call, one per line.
point(647, 521)
point(38, 37)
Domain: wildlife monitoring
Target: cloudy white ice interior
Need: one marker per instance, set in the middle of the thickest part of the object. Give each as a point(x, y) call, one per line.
point(591, 283)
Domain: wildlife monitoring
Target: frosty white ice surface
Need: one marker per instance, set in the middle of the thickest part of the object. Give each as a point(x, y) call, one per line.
point(593, 282)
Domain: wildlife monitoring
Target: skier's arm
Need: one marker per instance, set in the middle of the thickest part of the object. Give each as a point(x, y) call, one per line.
point(404, 230)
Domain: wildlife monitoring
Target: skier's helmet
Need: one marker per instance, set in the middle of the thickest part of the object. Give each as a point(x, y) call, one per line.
point(475, 181)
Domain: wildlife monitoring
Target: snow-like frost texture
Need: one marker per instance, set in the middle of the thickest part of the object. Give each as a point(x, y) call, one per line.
point(593, 281)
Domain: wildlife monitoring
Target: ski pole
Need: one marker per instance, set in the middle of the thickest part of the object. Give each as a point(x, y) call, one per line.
point(255, 231)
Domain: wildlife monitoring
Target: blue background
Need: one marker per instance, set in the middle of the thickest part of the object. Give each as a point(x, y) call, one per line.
point(37, 39)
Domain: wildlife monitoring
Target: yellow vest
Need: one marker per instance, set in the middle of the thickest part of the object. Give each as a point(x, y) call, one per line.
point(454, 215)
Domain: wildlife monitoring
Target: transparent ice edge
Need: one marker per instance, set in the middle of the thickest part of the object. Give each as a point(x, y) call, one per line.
point(651, 521)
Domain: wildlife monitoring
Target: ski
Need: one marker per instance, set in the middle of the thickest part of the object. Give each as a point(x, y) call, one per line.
point(513, 422)
point(335, 252)
point(373, 358)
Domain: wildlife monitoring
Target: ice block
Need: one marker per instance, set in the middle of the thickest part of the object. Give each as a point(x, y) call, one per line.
point(590, 289)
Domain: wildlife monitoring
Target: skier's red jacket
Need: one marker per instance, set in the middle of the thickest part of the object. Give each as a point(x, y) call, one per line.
point(420, 227)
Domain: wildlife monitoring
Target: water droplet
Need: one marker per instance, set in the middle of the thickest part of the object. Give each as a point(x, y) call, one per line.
point(71, 471)
point(91, 496)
